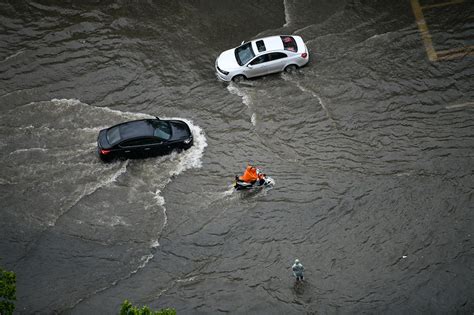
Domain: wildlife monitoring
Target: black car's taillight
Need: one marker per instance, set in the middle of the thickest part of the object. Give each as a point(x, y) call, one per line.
point(104, 152)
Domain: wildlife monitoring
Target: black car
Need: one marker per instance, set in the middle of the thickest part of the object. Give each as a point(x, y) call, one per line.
point(143, 138)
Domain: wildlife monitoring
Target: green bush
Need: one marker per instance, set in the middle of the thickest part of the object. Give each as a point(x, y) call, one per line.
point(7, 292)
point(129, 309)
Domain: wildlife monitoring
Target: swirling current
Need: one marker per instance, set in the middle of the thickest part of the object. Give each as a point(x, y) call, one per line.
point(371, 146)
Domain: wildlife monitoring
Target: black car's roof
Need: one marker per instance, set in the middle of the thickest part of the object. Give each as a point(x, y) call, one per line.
point(137, 128)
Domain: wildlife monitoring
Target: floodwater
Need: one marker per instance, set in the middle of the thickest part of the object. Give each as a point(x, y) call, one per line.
point(371, 146)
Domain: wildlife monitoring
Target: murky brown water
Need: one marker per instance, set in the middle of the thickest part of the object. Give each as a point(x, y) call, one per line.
point(371, 147)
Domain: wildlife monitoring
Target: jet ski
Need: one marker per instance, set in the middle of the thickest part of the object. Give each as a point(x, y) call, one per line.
point(242, 185)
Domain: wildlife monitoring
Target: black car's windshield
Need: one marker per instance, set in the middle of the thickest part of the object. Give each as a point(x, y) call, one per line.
point(113, 135)
point(244, 53)
point(162, 129)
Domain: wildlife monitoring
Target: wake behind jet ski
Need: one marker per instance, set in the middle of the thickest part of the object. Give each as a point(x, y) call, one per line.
point(251, 178)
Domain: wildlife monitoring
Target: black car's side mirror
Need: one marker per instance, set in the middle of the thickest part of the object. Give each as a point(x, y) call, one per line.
point(157, 117)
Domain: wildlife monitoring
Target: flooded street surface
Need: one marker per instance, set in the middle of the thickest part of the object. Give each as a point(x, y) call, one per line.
point(371, 146)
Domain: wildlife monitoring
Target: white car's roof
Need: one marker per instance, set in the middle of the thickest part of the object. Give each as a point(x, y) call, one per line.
point(271, 43)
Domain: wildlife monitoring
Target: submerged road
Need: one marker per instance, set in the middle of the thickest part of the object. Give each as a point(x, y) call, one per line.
point(371, 146)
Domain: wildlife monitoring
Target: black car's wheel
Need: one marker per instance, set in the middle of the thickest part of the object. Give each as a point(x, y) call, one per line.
point(238, 78)
point(291, 68)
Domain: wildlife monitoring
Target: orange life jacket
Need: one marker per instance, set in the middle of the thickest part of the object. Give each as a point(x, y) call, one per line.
point(250, 174)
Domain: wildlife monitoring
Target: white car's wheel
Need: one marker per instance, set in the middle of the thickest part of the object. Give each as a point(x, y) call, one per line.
point(238, 78)
point(291, 68)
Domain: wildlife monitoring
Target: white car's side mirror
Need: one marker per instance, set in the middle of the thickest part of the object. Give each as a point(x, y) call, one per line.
point(250, 66)
point(242, 42)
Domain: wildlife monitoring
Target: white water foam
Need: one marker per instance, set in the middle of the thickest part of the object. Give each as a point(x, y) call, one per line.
point(187, 279)
point(228, 192)
point(287, 13)
point(65, 101)
point(76, 102)
point(92, 130)
point(317, 97)
point(191, 158)
point(28, 150)
point(114, 221)
point(144, 261)
point(169, 287)
point(4, 181)
point(160, 201)
point(234, 89)
point(91, 189)
point(402, 174)
point(460, 105)
point(21, 51)
point(303, 89)
point(246, 99)
point(253, 119)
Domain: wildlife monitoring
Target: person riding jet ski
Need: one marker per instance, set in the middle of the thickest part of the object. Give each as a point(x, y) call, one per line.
point(252, 177)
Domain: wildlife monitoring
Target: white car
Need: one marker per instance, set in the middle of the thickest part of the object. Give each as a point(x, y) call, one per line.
point(262, 56)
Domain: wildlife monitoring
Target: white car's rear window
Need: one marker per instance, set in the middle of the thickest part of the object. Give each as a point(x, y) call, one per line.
point(289, 43)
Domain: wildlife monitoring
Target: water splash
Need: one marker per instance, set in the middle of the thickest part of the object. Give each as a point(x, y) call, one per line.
point(21, 51)
point(462, 105)
point(246, 99)
point(287, 14)
point(234, 89)
point(90, 189)
point(254, 119)
point(29, 150)
point(288, 78)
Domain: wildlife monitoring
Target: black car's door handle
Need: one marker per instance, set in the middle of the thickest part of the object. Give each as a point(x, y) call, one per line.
point(146, 149)
point(127, 151)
